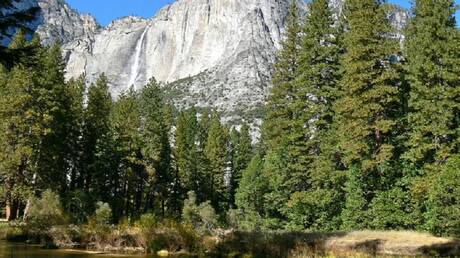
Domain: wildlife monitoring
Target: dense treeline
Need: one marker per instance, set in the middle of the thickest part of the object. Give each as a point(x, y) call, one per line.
point(361, 132)
point(87, 147)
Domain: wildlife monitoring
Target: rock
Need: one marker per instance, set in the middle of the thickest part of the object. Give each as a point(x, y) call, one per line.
point(163, 253)
point(208, 53)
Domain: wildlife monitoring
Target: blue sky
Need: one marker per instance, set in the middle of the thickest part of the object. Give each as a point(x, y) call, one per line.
point(106, 11)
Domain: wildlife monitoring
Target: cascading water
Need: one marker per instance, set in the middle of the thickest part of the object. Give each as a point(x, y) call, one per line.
point(137, 59)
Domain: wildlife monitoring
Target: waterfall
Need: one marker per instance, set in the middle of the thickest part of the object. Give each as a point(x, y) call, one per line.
point(137, 59)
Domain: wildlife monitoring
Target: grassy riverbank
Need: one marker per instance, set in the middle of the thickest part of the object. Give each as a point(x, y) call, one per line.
point(177, 239)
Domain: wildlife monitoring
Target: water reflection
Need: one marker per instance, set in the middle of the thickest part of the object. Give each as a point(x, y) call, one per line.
point(9, 250)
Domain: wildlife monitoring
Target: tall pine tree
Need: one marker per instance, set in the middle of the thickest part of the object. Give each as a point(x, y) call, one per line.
point(432, 50)
point(367, 109)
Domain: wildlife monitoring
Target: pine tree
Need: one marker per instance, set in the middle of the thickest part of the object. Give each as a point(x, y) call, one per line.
point(187, 155)
point(75, 92)
point(53, 102)
point(277, 123)
point(20, 132)
point(13, 19)
point(310, 154)
point(354, 215)
point(157, 150)
point(367, 111)
point(127, 185)
point(216, 153)
point(97, 139)
point(432, 50)
point(318, 89)
point(285, 174)
point(250, 195)
point(242, 152)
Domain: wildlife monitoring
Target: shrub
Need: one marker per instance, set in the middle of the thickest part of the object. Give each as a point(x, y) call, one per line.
point(43, 213)
point(98, 226)
point(66, 236)
point(174, 236)
point(147, 225)
point(245, 220)
point(443, 214)
point(202, 217)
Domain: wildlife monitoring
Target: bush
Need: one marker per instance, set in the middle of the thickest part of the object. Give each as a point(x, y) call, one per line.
point(202, 217)
point(173, 236)
point(147, 225)
point(66, 236)
point(245, 220)
point(443, 214)
point(98, 226)
point(44, 213)
point(12, 232)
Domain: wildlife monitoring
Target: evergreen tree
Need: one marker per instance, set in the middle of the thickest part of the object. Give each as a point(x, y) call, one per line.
point(54, 103)
point(354, 215)
point(241, 144)
point(75, 92)
point(368, 107)
point(216, 153)
point(318, 89)
point(310, 156)
point(277, 123)
point(443, 217)
point(97, 139)
point(285, 174)
point(20, 133)
point(433, 64)
point(250, 194)
point(187, 155)
point(129, 182)
point(157, 150)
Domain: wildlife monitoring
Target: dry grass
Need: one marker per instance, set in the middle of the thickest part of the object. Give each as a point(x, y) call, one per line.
point(341, 244)
point(393, 243)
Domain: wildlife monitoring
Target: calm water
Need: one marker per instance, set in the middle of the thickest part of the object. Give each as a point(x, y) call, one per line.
point(9, 250)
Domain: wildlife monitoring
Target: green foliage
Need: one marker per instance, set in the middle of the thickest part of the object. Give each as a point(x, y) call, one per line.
point(46, 210)
point(391, 210)
point(433, 53)
point(174, 237)
point(157, 150)
point(216, 153)
point(99, 227)
point(355, 216)
point(316, 210)
point(242, 152)
point(42, 214)
point(102, 215)
point(250, 197)
point(277, 123)
point(443, 215)
point(368, 109)
point(187, 156)
point(202, 216)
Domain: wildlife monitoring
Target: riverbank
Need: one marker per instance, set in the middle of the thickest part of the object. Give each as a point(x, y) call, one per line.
point(176, 239)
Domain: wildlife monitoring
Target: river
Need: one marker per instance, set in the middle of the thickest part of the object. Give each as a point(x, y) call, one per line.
point(10, 250)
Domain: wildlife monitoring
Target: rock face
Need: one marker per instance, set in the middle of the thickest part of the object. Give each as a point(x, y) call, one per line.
point(208, 53)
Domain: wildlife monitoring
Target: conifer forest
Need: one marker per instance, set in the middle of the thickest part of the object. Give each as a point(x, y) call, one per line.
point(361, 132)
